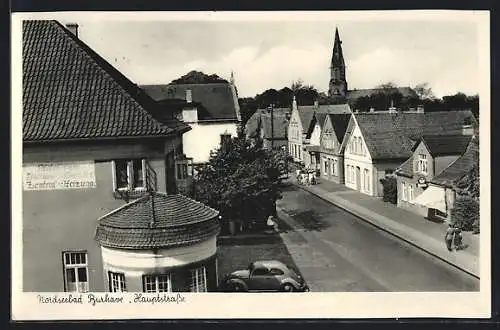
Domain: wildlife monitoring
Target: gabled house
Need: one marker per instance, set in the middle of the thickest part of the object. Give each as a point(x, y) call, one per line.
point(431, 155)
point(211, 109)
point(273, 134)
point(331, 147)
point(299, 127)
point(376, 144)
point(94, 144)
point(314, 136)
point(427, 180)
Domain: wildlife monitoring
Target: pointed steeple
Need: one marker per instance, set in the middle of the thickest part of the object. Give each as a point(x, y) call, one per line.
point(232, 78)
point(338, 82)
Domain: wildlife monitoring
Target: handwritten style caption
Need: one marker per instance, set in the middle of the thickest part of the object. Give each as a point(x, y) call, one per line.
point(97, 299)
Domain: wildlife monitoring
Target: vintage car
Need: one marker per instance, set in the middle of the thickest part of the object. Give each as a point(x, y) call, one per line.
point(265, 275)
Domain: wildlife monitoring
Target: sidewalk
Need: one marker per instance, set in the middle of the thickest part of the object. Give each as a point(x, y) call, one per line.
point(427, 235)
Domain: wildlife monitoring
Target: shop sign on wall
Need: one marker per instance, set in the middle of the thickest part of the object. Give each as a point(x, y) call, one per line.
point(59, 176)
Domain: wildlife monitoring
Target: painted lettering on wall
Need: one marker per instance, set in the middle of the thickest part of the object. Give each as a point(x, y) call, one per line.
point(59, 176)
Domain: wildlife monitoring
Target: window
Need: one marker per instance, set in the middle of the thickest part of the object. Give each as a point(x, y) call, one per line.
point(157, 283)
point(116, 282)
point(182, 171)
point(225, 138)
point(422, 163)
point(326, 167)
point(335, 167)
point(129, 174)
point(75, 271)
point(198, 280)
point(404, 196)
point(366, 182)
point(260, 272)
point(332, 166)
point(276, 272)
point(410, 192)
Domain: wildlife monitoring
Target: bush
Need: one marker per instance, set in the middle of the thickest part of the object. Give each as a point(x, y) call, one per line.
point(465, 213)
point(390, 189)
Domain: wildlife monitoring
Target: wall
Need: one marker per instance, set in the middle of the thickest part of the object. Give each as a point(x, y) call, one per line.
point(409, 205)
point(62, 220)
point(175, 261)
point(315, 136)
point(204, 137)
point(295, 136)
point(361, 159)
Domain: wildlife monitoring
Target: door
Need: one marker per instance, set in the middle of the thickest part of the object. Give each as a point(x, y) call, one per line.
point(358, 178)
point(260, 280)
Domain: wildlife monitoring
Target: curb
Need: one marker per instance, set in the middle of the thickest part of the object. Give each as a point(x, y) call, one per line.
point(375, 224)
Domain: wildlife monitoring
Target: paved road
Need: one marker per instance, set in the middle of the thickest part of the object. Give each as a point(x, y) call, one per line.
point(337, 251)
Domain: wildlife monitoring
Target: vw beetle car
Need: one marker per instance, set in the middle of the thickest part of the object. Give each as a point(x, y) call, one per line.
point(265, 275)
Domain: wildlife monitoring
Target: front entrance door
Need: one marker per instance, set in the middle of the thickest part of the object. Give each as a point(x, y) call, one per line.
point(358, 178)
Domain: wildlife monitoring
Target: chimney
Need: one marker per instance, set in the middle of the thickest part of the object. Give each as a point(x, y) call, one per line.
point(372, 109)
point(73, 28)
point(189, 97)
point(392, 108)
point(420, 109)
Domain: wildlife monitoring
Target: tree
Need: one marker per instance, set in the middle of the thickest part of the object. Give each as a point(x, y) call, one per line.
point(241, 180)
point(424, 92)
point(390, 188)
point(465, 212)
point(198, 77)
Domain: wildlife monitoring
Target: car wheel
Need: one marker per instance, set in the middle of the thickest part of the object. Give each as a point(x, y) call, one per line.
point(288, 288)
point(237, 287)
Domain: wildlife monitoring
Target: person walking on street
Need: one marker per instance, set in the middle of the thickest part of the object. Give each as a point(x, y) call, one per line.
point(448, 238)
point(457, 239)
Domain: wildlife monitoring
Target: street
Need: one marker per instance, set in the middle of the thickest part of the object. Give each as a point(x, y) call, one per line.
point(337, 251)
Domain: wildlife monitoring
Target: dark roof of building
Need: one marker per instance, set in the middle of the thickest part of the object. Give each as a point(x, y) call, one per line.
point(446, 145)
point(340, 123)
point(71, 93)
point(219, 99)
point(307, 112)
point(393, 135)
point(261, 118)
point(157, 220)
point(406, 169)
point(358, 93)
point(459, 168)
point(280, 128)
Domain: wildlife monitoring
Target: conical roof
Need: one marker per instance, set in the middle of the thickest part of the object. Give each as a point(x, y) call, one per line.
point(157, 220)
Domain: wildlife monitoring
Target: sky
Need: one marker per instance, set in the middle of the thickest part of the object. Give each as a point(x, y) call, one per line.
point(273, 54)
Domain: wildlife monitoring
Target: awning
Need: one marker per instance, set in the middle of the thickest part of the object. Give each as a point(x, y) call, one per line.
point(433, 198)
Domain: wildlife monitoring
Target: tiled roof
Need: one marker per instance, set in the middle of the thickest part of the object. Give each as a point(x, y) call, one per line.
point(393, 135)
point(459, 168)
point(219, 99)
point(262, 119)
point(406, 169)
point(71, 93)
point(357, 93)
point(439, 145)
point(157, 220)
point(340, 123)
point(280, 126)
point(306, 112)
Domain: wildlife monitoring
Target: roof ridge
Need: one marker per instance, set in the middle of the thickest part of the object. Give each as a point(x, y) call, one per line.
point(123, 207)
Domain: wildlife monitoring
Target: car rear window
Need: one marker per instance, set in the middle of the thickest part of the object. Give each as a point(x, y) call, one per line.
point(276, 271)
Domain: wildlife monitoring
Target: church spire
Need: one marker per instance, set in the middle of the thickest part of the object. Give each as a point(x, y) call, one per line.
point(338, 82)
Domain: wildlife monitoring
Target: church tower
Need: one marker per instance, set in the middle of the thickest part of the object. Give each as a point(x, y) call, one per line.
point(338, 82)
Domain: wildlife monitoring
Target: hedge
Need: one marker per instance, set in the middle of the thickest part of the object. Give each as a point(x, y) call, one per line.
point(465, 213)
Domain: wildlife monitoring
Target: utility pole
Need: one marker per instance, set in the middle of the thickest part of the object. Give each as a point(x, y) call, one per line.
point(272, 126)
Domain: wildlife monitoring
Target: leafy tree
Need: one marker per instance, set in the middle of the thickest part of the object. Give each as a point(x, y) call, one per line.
point(197, 77)
point(390, 189)
point(424, 92)
point(241, 180)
